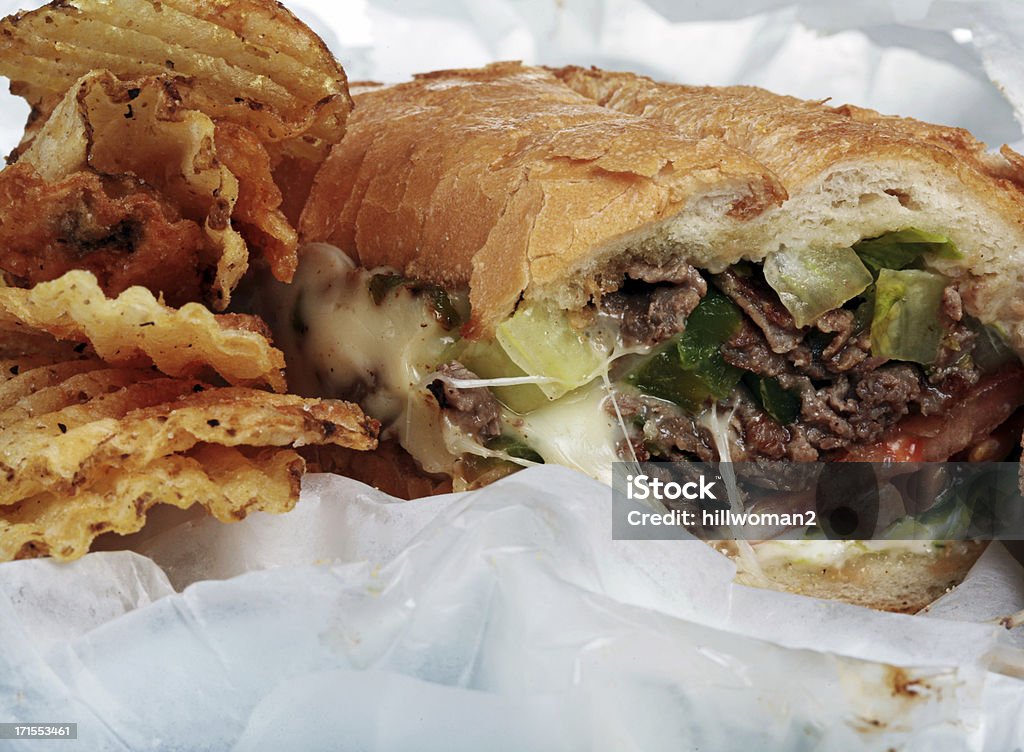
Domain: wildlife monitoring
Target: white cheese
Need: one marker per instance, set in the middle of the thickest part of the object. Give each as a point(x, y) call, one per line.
point(340, 343)
point(576, 431)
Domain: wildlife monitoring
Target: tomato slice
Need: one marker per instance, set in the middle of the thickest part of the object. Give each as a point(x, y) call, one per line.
point(936, 438)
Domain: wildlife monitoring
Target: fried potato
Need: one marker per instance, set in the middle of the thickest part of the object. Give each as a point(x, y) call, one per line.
point(94, 431)
point(48, 451)
point(249, 62)
point(29, 380)
point(136, 329)
point(124, 181)
point(135, 236)
point(60, 386)
point(62, 450)
point(258, 211)
point(26, 349)
point(89, 397)
point(100, 459)
point(229, 482)
point(160, 134)
point(107, 127)
point(236, 98)
point(11, 368)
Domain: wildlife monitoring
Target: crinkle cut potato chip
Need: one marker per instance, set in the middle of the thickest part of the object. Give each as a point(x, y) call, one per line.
point(136, 329)
point(126, 182)
point(238, 96)
point(229, 482)
point(248, 62)
point(59, 451)
point(258, 210)
point(129, 238)
point(152, 164)
point(19, 344)
point(86, 448)
point(104, 411)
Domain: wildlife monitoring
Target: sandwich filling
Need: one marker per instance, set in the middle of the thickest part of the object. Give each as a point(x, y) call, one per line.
point(862, 353)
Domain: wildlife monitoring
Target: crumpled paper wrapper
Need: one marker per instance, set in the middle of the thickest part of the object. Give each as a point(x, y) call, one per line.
point(508, 618)
point(503, 619)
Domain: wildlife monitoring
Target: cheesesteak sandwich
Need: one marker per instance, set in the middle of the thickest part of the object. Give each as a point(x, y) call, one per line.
point(513, 265)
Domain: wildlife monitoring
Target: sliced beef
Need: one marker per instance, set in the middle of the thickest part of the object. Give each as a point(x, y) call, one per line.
point(749, 350)
point(887, 391)
point(954, 370)
point(759, 301)
point(675, 271)
point(834, 345)
point(662, 429)
point(650, 313)
point(475, 410)
point(847, 412)
point(842, 324)
point(855, 355)
point(825, 352)
point(760, 435)
point(848, 397)
point(849, 347)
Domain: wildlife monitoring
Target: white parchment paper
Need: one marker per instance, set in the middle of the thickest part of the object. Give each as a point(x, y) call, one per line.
point(509, 619)
point(503, 619)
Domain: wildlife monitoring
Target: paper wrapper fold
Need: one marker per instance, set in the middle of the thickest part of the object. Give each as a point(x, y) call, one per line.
point(503, 619)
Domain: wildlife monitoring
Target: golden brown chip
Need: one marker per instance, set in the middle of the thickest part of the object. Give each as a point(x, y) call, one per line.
point(48, 451)
point(13, 367)
point(19, 344)
point(228, 482)
point(258, 210)
point(65, 387)
point(182, 196)
point(86, 449)
point(248, 62)
point(130, 90)
point(62, 450)
point(30, 379)
point(92, 452)
point(135, 329)
point(123, 181)
point(127, 238)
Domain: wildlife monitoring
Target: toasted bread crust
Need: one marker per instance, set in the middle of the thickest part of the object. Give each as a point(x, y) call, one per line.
point(523, 182)
point(793, 138)
point(503, 178)
point(887, 581)
point(935, 177)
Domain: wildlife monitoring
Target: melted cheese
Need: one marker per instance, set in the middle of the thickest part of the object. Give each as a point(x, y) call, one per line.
point(339, 343)
point(576, 431)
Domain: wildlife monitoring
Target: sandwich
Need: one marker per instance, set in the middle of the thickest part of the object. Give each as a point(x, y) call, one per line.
point(515, 265)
